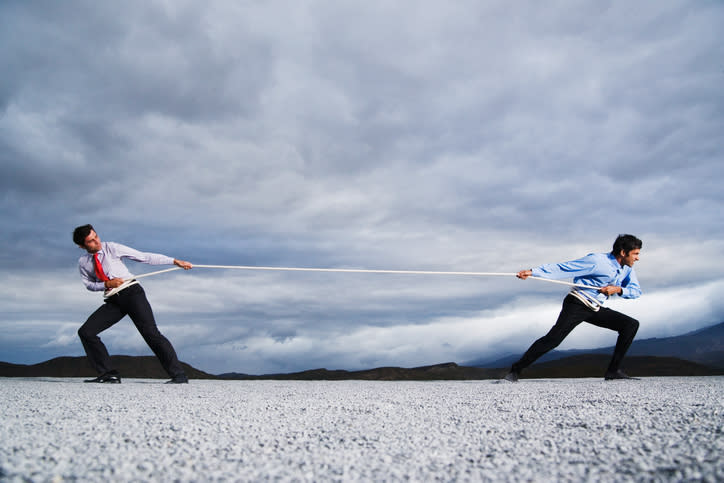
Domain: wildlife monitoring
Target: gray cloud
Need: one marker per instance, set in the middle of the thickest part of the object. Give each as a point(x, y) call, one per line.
point(410, 136)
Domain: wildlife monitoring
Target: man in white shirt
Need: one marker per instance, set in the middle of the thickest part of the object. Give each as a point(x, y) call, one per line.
point(102, 269)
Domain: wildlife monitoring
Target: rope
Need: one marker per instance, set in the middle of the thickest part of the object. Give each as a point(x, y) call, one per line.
point(156, 273)
point(585, 298)
point(360, 270)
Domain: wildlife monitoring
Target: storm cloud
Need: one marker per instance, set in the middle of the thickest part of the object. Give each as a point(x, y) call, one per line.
point(466, 136)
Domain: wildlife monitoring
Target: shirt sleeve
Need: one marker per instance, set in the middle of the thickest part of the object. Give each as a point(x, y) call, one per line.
point(89, 279)
point(123, 251)
point(630, 288)
point(571, 269)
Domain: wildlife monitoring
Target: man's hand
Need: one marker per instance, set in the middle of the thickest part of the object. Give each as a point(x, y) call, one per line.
point(113, 283)
point(182, 264)
point(610, 290)
point(523, 274)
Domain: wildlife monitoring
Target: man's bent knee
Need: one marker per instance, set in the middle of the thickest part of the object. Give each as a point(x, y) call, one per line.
point(85, 333)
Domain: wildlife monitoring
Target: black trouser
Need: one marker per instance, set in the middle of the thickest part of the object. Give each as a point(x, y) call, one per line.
point(132, 302)
point(573, 313)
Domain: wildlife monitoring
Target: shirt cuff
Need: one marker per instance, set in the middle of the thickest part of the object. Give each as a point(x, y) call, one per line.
point(97, 286)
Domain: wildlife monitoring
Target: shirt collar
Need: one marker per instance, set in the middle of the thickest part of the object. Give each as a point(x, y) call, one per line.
point(614, 262)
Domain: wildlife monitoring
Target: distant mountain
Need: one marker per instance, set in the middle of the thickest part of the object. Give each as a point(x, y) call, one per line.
point(588, 365)
point(594, 365)
point(698, 353)
point(446, 371)
point(705, 346)
point(143, 367)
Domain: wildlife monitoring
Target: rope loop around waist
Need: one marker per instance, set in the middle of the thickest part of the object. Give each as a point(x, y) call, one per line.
point(587, 300)
point(123, 286)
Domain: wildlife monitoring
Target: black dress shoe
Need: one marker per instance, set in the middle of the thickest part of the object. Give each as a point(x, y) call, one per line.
point(110, 377)
point(610, 376)
point(180, 379)
point(512, 376)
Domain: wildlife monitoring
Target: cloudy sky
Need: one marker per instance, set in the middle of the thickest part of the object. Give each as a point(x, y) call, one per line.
point(408, 135)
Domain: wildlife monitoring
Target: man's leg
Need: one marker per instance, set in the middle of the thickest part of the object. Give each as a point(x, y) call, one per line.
point(572, 314)
point(625, 326)
point(103, 318)
point(136, 304)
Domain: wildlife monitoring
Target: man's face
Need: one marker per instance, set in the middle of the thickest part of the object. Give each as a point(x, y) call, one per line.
point(92, 242)
point(631, 257)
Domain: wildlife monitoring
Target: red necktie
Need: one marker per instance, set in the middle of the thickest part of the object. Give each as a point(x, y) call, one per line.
point(99, 269)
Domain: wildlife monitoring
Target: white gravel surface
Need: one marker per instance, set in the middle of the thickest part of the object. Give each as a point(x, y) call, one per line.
point(660, 429)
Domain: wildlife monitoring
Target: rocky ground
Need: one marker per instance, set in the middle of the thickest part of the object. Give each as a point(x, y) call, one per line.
point(661, 429)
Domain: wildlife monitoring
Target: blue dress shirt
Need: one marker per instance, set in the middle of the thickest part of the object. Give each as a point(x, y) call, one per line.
point(595, 270)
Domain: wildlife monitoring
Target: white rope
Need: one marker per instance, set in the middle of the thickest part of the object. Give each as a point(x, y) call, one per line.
point(403, 272)
point(156, 273)
point(590, 301)
point(132, 281)
point(587, 299)
point(360, 270)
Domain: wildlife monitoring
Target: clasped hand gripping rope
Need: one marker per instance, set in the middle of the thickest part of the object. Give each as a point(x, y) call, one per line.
point(132, 281)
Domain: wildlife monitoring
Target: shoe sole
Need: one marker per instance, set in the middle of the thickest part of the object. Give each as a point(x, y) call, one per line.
point(109, 381)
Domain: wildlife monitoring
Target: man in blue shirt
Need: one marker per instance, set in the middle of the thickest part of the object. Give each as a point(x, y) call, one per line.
point(102, 269)
point(607, 274)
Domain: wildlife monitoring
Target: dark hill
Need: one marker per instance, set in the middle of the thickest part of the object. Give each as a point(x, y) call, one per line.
point(142, 367)
point(699, 353)
point(588, 365)
point(446, 371)
point(594, 365)
point(705, 346)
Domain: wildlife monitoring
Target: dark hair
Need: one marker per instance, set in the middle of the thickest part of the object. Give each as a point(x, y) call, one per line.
point(625, 243)
point(80, 234)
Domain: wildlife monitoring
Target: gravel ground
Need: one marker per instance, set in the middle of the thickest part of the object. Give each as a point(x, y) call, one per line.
point(656, 429)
